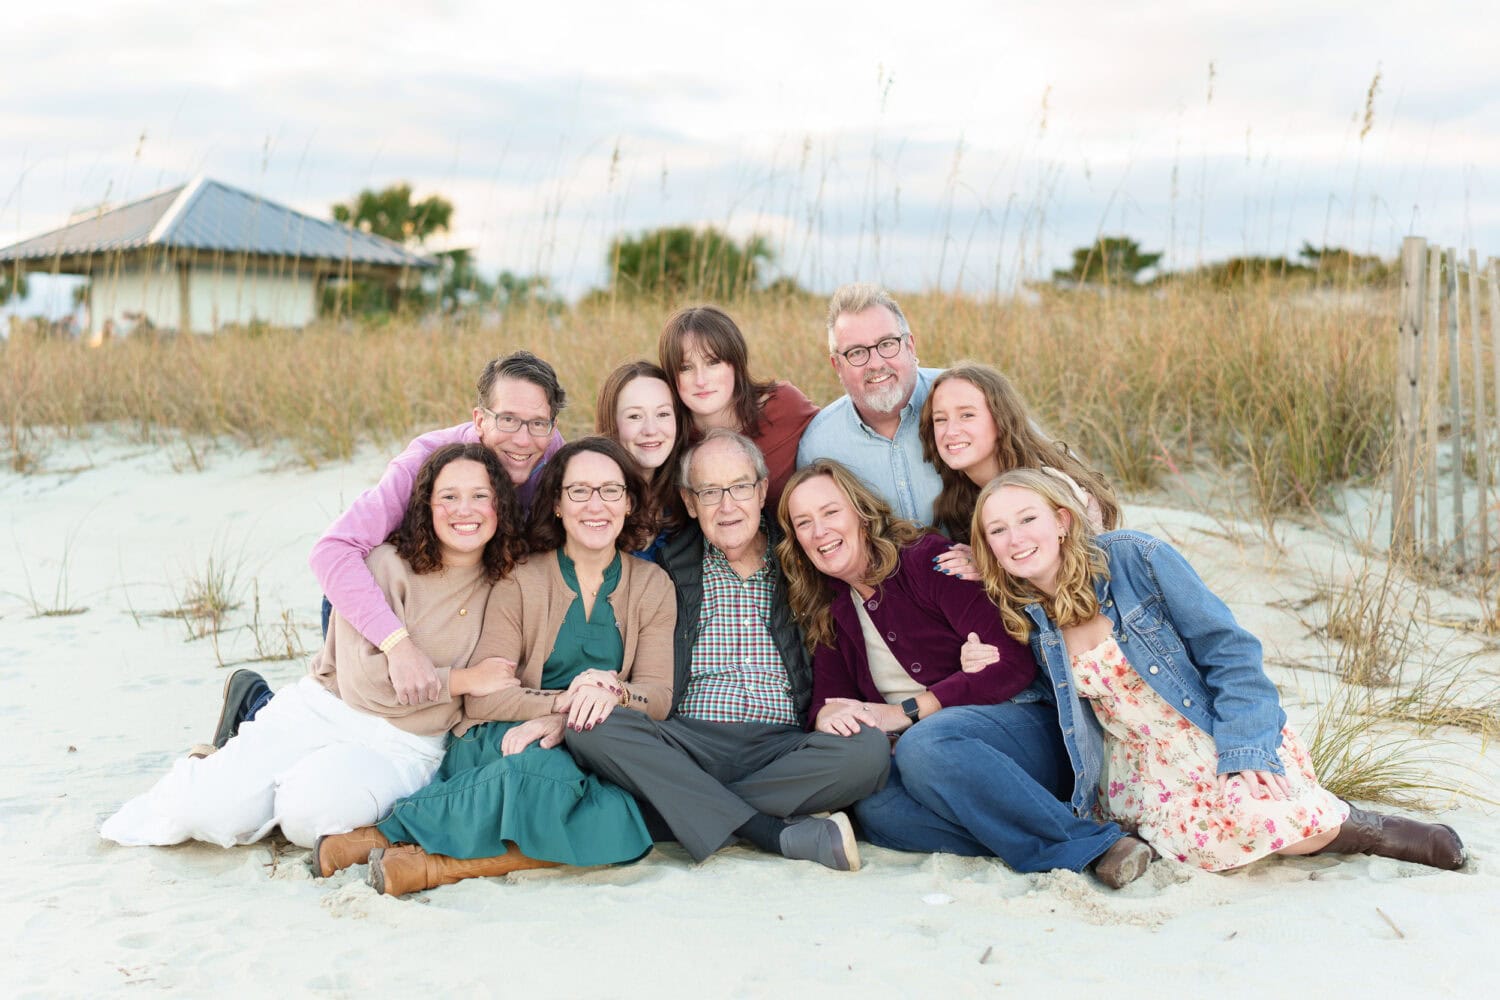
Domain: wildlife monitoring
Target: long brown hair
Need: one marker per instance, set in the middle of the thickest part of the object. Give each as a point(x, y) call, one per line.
point(718, 337)
point(545, 529)
point(661, 488)
point(1075, 601)
point(808, 591)
point(416, 540)
point(1018, 445)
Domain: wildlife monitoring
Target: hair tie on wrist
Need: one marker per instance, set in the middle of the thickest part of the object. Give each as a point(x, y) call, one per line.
point(390, 641)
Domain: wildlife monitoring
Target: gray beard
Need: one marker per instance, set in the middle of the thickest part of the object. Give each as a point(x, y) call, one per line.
point(888, 399)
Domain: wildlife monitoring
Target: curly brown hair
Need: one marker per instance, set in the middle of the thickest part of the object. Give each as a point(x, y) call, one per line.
point(1018, 445)
point(666, 505)
point(415, 538)
point(545, 531)
point(808, 591)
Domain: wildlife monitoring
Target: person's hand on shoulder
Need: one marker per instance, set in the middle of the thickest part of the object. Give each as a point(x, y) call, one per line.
point(957, 561)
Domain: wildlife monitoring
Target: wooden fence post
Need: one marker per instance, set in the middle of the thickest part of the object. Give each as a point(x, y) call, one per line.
point(1456, 410)
point(1481, 427)
point(1408, 396)
point(1433, 546)
point(1491, 277)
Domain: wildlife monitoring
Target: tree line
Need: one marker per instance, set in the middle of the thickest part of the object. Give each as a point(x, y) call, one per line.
point(677, 262)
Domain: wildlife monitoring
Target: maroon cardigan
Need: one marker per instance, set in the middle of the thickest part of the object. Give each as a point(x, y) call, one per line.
point(926, 616)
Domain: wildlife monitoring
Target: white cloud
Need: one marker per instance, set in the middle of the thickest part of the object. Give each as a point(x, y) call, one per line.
point(893, 136)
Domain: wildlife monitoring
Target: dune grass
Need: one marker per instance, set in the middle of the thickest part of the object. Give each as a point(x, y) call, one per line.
point(1293, 395)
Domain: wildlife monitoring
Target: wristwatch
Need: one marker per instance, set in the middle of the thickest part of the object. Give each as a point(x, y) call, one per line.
point(909, 706)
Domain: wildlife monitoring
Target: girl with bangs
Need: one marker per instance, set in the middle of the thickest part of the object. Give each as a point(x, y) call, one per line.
point(706, 354)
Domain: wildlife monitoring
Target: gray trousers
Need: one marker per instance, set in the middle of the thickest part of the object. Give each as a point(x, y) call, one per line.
point(707, 778)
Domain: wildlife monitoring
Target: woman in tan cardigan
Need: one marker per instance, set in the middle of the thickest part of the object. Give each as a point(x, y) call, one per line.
point(590, 632)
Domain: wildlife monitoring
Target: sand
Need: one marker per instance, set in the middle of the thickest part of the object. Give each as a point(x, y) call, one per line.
point(94, 706)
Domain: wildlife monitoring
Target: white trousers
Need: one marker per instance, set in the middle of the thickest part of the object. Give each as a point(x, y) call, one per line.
point(307, 762)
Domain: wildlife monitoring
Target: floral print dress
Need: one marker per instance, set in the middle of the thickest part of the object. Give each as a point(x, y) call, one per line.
point(1160, 776)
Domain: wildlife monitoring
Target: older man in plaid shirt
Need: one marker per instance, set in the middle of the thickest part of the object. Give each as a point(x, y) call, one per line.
point(734, 758)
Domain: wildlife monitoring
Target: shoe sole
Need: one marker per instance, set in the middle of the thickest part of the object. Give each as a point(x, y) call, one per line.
point(377, 873)
point(846, 837)
point(226, 728)
point(1131, 867)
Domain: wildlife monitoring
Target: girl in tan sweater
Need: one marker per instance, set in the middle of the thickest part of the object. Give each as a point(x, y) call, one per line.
point(336, 749)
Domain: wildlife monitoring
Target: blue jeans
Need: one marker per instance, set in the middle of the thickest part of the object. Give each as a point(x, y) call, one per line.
point(986, 780)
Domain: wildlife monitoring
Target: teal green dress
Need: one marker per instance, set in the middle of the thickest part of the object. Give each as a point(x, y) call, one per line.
point(539, 799)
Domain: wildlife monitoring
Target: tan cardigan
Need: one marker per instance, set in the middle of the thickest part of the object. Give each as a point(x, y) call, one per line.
point(443, 612)
point(526, 613)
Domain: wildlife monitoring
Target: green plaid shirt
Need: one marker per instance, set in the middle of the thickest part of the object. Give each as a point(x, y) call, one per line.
point(736, 674)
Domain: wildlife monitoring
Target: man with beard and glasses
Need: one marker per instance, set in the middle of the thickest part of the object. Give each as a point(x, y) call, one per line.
point(873, 429)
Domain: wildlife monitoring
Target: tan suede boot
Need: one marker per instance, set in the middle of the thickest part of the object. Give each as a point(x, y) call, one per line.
point(337, 851)
point(1433, 844)
point(396, 871)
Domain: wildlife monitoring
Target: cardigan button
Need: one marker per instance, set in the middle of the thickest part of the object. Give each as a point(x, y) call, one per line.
point(916, 668)
point(890, 637)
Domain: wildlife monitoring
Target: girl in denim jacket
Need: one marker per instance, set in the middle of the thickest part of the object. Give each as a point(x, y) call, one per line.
point(1182, 739)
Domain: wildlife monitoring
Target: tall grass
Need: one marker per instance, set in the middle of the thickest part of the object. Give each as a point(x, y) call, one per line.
point(1296, 397)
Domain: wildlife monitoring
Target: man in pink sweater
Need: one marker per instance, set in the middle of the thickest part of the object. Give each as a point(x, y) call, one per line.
point(515, 416)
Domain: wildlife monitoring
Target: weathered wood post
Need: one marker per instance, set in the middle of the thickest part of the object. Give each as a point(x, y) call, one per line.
point(1408, 397)
point(1430, 401)
point(1481, 427)
point(1456, 412)
point(1491, 275)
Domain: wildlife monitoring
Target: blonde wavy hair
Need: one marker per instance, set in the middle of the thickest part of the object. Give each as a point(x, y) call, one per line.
point(809, 592)
point(1075, 601)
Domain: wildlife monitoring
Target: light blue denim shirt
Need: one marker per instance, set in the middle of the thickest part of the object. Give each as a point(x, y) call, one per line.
point(894, 469)
point(1185, 644)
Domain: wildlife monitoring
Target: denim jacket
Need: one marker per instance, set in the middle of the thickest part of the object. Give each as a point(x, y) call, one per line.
point(1185, 644)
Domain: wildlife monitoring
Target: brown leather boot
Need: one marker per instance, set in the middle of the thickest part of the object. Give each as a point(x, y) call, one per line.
point(396, 871)
point(1432, 844)
point(1124, 862)
point(337, 851)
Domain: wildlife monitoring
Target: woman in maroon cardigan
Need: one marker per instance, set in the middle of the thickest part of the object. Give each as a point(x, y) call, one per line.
point(980, 767)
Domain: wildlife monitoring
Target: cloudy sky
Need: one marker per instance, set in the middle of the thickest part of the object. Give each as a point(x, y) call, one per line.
point(944, 143)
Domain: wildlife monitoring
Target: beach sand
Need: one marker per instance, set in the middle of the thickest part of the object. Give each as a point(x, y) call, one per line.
point(95, 706)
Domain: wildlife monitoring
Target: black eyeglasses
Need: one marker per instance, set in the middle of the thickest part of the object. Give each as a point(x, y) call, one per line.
point(886, 348)
point(509, 423)
point(609, 492)
point(711, 496)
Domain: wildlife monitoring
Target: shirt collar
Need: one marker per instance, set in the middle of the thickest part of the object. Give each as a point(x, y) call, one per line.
point(713, 556)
